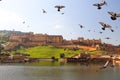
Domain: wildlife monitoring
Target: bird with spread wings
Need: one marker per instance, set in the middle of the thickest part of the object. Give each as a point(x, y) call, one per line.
point(81, 26)
point(100, 4)
point(59, 7)
point(114, 15)
point(44, 11)
point(106, 26)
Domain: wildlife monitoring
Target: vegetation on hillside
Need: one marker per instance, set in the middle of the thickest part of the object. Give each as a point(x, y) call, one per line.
point(50, 51)
point(47, 52)
point(94, 52)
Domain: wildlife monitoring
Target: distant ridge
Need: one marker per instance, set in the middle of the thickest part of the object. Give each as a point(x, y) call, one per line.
point(7, 33)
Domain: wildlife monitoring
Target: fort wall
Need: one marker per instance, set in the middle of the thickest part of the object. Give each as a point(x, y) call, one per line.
point(31, 39)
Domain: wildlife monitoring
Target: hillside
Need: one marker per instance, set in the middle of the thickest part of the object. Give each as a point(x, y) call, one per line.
point(7, 33)
point(79, 47)
point(48, 52)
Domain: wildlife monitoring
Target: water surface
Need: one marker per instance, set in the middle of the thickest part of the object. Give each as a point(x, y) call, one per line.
point(57, 71)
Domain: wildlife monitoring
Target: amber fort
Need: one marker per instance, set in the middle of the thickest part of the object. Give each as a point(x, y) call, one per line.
point(31, 39)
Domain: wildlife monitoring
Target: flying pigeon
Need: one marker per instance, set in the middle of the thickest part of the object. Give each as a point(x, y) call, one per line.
point(89, 30)
point(44, 11)
point(114, 16)
point(62, 13)
point(59, 7)
point(106, 26)
point(81, 26)
point(100, 4)
point(107, 38)
point(100, 32)
point(23, 22)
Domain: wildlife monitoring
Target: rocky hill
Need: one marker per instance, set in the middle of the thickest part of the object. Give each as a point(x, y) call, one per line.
point(7, 33)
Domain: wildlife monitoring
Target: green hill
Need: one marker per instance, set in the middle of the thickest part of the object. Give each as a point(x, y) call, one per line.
point(48, 52)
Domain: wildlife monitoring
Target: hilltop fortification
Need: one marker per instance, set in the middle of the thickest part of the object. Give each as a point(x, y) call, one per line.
point(31, 39)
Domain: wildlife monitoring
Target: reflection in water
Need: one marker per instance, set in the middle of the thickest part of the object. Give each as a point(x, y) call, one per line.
point(53, 71)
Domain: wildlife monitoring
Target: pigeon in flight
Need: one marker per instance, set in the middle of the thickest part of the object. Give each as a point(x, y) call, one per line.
point(106, 26)
point(59, 7)
point(23, 22)
point(89, 30)
point(62, 13)
point(107, 38)
point(114, 16)
point(81, 26)
point(100, 32)
point(100, 4)
point(44, 11)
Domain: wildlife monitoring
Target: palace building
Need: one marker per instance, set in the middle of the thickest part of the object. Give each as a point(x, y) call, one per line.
point(31, 39)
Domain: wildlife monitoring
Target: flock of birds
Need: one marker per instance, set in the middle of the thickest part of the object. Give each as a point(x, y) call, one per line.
point(113, 16)
point(105, 26)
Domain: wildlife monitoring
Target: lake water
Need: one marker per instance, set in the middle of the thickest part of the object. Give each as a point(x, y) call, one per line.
point(57, 71)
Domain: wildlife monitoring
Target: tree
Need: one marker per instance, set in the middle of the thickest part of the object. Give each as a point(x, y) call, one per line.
point(62, 55)
point(1, 48)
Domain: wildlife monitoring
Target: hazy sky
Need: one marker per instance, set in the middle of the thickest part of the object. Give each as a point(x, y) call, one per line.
point(14, 12)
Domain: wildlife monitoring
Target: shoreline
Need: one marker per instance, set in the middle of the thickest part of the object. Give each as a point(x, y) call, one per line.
point(64, 60)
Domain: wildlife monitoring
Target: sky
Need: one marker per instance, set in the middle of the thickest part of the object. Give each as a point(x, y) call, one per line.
point(14, 12)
